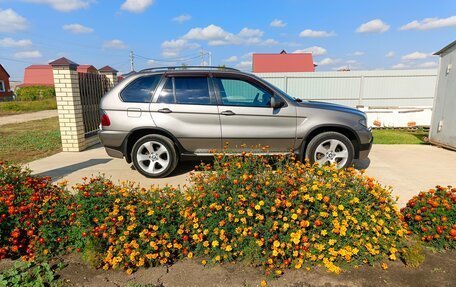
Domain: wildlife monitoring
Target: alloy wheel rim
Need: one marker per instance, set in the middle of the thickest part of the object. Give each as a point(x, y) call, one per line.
point(331, 151)
point(153, 157)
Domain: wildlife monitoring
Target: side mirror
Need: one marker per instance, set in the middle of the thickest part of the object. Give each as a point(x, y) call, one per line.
point(276, 102)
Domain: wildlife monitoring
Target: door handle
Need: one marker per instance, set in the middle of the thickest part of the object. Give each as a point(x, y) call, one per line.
point(165, 111)
point(228, 113)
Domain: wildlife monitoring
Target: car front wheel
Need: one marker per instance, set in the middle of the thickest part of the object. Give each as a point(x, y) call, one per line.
point(331, 148)
point(154, 156)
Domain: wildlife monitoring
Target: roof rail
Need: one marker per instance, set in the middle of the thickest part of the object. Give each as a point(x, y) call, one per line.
point(173, 68)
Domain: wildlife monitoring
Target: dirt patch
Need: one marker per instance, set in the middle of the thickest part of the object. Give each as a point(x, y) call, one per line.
point(439, 269)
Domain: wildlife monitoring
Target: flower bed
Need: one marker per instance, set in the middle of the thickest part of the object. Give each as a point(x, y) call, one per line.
point(271, 212)
point(35, 215)
point(432, 217)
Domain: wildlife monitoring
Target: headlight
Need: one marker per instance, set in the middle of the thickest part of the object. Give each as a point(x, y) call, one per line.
point(363, 122)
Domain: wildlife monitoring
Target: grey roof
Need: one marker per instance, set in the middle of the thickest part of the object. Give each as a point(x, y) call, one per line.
point(444, 49)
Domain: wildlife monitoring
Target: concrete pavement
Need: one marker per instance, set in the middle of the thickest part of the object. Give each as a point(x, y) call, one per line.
point(21, 118)
point(409, 169)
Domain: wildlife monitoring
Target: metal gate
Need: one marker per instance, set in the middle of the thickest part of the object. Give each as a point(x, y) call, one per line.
point(92, 87)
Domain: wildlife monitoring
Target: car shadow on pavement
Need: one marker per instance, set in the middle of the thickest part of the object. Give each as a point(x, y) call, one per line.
point(61, 172)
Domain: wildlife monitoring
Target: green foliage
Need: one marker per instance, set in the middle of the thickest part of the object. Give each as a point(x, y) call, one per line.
point(26, 274)
point(391, 136)
point(413, 255)
point(432, 217)
point(17, 107)
point(34, 93)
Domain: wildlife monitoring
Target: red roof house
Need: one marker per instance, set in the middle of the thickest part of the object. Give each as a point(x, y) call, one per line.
point(5, 90)
point(42, 75)
point(283, 62)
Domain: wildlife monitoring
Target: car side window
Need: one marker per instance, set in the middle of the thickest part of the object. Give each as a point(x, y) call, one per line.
point(187, 90)
point(141, 89)
point(237, 92)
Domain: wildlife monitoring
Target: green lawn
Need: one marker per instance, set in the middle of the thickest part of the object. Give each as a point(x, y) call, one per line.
point(399, 136)
point(20, 107)
point(25, 142)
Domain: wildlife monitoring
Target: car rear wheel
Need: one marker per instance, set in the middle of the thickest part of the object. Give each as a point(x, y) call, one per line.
point(331, 148)
point(154, 156)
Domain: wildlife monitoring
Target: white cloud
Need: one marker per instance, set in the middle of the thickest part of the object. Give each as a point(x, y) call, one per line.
point(415, 56)
point(77, 29)
point(328, 62)
point(247, 33)
point(182, 18)
point(136, 6)
point(114, 44)
point(11, 21)
point(28, 54)
point(390, 54)
point(430, 23)
point(374, 26)
point(357, 53)
point(400, 66)
point(231, 59)
point(11, 43)
point(247, 55)
point(172, 48)
point(428, 65)
point(315, 50)
point(244, 65)
point(64, 5)
point(315, 34)
point(277, 23)
point(269, 42)
point(217, 36)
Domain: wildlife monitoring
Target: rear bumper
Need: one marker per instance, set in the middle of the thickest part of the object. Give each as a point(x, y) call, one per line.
point(113, 142)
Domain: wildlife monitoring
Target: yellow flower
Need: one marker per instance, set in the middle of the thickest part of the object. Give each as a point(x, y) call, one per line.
point(215, 243)
point(206, 243)
point(384, 266)
point(204, 262)
point(341, 207)
point(294, 216)
point(276, 244)
point(257, 207)
point(190, 255)
point(263, 283)
point(319, 196)
point(228, 248)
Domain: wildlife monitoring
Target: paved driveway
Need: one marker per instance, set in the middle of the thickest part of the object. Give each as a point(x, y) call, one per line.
point(409, 169)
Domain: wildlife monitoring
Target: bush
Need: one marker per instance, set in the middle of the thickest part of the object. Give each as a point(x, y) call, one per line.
point(31, 275)
point(34, 93)
point(290, 214)
point(432, 217)
point(35, 215)
point(125, 226)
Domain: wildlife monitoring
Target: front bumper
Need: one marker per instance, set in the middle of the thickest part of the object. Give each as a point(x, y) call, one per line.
point(365, 149)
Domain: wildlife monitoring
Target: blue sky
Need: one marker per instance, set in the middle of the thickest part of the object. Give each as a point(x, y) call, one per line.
point(362, 35)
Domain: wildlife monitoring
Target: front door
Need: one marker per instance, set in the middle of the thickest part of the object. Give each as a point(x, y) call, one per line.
point(187, 109)
point(248, 120)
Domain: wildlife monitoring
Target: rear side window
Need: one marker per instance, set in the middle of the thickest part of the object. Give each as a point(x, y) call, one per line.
point(140, 90)
point(187, 90)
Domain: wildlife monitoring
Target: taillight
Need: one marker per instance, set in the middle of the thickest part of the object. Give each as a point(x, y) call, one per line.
point(105, 121)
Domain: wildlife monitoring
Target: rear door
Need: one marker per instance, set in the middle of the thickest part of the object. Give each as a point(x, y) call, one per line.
point(248, 119)
point(186, 107)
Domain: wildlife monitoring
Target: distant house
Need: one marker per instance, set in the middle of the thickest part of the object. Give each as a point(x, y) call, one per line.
point(5, 90)
point(42, 75)
point(283, 62)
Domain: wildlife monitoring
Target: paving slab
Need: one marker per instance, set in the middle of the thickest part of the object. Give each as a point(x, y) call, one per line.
point(21, 118)
point(408, 169)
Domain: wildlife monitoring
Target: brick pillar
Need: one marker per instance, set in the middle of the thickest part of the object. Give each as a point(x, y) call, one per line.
point(69, 104)
point(110, 73)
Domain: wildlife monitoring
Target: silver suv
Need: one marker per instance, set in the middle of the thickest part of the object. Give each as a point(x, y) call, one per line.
point(157, 117)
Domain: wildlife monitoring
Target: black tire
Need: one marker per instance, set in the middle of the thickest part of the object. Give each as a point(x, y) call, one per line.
point(171, 156)
point(325, 137)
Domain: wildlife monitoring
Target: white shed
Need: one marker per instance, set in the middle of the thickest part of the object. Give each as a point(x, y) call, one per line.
point(443, 125)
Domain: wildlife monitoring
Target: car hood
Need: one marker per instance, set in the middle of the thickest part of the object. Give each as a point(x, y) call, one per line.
point(331, 106)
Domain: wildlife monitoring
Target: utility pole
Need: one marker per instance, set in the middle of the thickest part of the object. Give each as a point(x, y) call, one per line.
point(132, 61)
point(210, 58)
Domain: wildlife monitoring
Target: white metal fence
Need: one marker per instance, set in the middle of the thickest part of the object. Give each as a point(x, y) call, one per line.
point(387, 88)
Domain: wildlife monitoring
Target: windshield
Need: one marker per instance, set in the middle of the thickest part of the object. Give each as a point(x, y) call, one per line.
point(282, 93)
